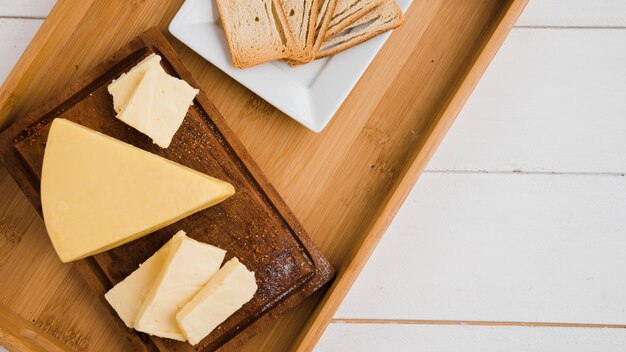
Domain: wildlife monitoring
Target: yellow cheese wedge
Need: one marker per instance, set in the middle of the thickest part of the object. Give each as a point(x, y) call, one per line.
point(98, 192)
point(123, 88)
point(224, 294)
point(187, 268)
point(129, 294)
point(158, 106)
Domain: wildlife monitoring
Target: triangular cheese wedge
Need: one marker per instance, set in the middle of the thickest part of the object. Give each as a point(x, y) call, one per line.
point(98, 192)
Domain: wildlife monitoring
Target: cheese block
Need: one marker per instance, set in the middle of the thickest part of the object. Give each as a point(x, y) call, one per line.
point(224, 294)
point(98, 192)
point(129, 294)
point(158, 106)
point(189, 265)
point(123, 88)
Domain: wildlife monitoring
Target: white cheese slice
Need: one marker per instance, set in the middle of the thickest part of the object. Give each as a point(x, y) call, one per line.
point(98, 192)
point(123, 88)
point(129, 294)
point(224, 294)
point(158, 106)
point(190, 264)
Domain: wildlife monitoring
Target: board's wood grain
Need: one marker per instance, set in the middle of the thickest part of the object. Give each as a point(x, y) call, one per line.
point(15, 34)
point(574, 13)
point(346, 183)
point(551, 102)
point(501, 247)
point(463, 338)
point(26, 8)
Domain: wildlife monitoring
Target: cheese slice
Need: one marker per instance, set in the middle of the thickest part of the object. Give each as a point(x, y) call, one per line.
point(123, 88)
point(189, 265)
point(158, 106)
point(98, 192)
point(129, 294)
point(224, 294)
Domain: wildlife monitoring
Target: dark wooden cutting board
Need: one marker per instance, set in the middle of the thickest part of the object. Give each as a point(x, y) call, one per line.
point(254, 225)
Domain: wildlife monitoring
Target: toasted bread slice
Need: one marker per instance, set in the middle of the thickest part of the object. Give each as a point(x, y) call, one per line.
point(325, 12)
point(301, 18)
point(325, 15)
point(347, 12)
point(256, 31)
point(385, 17)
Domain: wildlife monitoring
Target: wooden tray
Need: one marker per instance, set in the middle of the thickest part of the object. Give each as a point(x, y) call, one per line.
point(254, 225)
point(344, 184)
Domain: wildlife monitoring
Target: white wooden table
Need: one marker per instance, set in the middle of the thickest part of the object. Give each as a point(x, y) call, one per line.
point(515, 237)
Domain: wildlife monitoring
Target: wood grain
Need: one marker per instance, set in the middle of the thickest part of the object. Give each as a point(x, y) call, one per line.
point(26, 9)
point(557, 111)
point(372, 337)
point(548, 252)
point(574, 13)
point(344, 184)
point(14, 36)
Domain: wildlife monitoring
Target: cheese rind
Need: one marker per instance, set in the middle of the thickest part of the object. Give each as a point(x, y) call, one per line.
point(190, 264)
point(225, 293)
point(158, 106)
point(123, 88)
point(98, 192)
point(129, 294)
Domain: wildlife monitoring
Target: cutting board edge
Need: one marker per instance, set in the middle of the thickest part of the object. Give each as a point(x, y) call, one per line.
point(152, 39)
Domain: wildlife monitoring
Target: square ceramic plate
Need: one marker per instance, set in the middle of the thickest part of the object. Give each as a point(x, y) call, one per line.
point(310, 94)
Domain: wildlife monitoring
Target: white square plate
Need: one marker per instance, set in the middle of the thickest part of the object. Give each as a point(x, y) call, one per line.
point(310, 94)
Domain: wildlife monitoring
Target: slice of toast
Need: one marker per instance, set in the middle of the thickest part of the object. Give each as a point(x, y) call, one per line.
point(325, 15)
point(301, 18)
point(347, 12)
point(385, 17)
point(256, 31)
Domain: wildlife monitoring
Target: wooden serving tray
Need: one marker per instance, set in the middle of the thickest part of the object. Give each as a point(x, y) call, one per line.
point(344, 184)
point(254, 225)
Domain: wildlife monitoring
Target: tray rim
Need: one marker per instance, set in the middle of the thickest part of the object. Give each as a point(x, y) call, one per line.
point(321, 317)
point(451, 107)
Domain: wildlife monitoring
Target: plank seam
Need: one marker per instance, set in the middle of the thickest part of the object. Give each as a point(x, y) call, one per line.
point(522, 172)
point(9, 17)
point(474, 322)
point(567, 27)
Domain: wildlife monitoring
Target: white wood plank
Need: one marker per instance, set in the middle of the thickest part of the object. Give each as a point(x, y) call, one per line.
point(26, 8)
point(501, 247)
point(574, 13)
point(459, 338)
point(552, 100)
point(15, 34)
